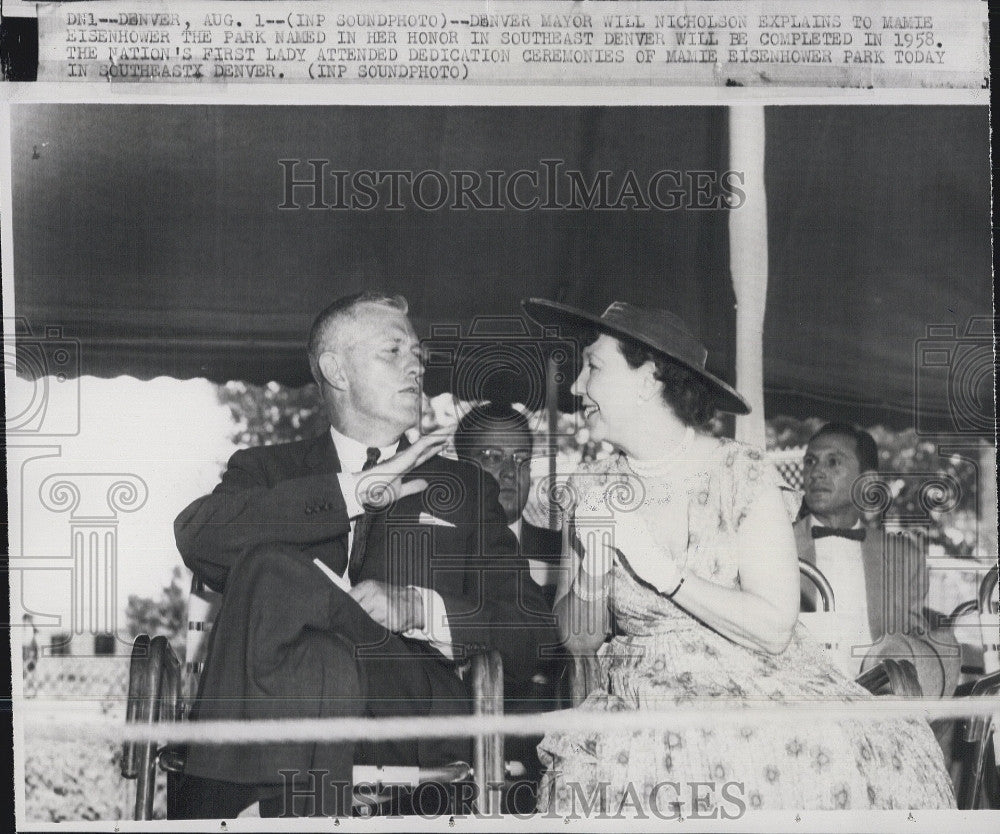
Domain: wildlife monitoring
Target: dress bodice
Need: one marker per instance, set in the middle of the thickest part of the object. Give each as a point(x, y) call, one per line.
point(701, 509)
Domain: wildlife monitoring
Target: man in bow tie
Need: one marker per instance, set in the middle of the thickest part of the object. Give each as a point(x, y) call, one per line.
point(879, 579)
point(357, 571)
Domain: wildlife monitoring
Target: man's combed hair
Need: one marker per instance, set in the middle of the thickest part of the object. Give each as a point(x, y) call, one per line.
point(684, 391)
point(346, 307)
point(865, 446)
point(492, 417)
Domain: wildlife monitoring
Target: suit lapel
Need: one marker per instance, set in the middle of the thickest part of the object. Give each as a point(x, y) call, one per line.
point(873, 559)
point(395, 542)
point(320, 458)
point(804, 542)
point(399, 548)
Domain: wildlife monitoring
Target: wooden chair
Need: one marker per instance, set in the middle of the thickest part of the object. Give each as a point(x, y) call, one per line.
point(821, 623)
point(984, 609)
point(979, 783)
point(160, 691)
point(978, 779)
point(888, 677)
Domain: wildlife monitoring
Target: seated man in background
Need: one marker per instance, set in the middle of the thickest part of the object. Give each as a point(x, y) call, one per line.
point(498, 439)
point(879, 579)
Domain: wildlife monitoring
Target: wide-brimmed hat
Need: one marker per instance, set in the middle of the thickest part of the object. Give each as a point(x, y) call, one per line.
point(659, 330)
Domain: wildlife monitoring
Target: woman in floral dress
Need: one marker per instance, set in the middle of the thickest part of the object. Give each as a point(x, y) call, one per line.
point(680, 548)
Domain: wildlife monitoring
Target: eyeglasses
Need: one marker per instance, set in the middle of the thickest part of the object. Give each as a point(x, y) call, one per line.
point(496, 458)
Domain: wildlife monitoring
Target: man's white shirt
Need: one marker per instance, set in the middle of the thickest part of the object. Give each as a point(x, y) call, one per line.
point(840, 561)
point(352, 456)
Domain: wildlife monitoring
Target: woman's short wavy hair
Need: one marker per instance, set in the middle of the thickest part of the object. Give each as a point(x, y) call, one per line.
point(684, 391)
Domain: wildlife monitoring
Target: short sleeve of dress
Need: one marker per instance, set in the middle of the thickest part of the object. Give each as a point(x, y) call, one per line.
point(747, 474)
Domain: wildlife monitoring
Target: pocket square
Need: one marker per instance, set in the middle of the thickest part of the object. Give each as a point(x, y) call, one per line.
point(427, 518)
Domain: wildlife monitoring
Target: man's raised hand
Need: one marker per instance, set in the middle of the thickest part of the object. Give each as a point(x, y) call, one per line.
point(383, 484)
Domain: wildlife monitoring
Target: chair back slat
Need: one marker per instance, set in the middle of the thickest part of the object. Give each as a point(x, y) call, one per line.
point(154, 674)
point(170, 687)
point(488, 766)
point(988, 611)
point(203, 604)
point(821, 583)
point(822, 624)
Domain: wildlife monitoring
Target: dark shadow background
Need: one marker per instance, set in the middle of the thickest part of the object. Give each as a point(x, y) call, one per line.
point(153, 235)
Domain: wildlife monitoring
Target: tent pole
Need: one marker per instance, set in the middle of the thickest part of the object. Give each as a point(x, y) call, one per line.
point(748, 265)
point(552, 409)
point(987, 533)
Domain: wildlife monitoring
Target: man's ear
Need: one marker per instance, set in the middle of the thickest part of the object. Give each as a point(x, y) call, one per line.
point(332, 370)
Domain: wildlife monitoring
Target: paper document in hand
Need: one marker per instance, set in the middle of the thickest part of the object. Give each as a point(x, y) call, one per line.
point(339, 581)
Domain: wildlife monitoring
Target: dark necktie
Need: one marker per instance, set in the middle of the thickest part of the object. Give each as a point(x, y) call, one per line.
point(362, 527)
point(856, 534)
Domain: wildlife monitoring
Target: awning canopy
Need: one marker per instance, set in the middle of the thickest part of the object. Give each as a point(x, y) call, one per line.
point(155, 235)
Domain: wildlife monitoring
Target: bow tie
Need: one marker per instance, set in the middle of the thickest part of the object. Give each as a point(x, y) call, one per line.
point(856, 534)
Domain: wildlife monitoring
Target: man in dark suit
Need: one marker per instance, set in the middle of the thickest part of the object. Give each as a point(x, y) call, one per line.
point(879, 578)
point(357, 571)
point(498, 439)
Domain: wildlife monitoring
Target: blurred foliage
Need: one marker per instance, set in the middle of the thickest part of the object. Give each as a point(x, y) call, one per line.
point(166, 614)
point(272, 413)
point(789, 432)
point(904, 452)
